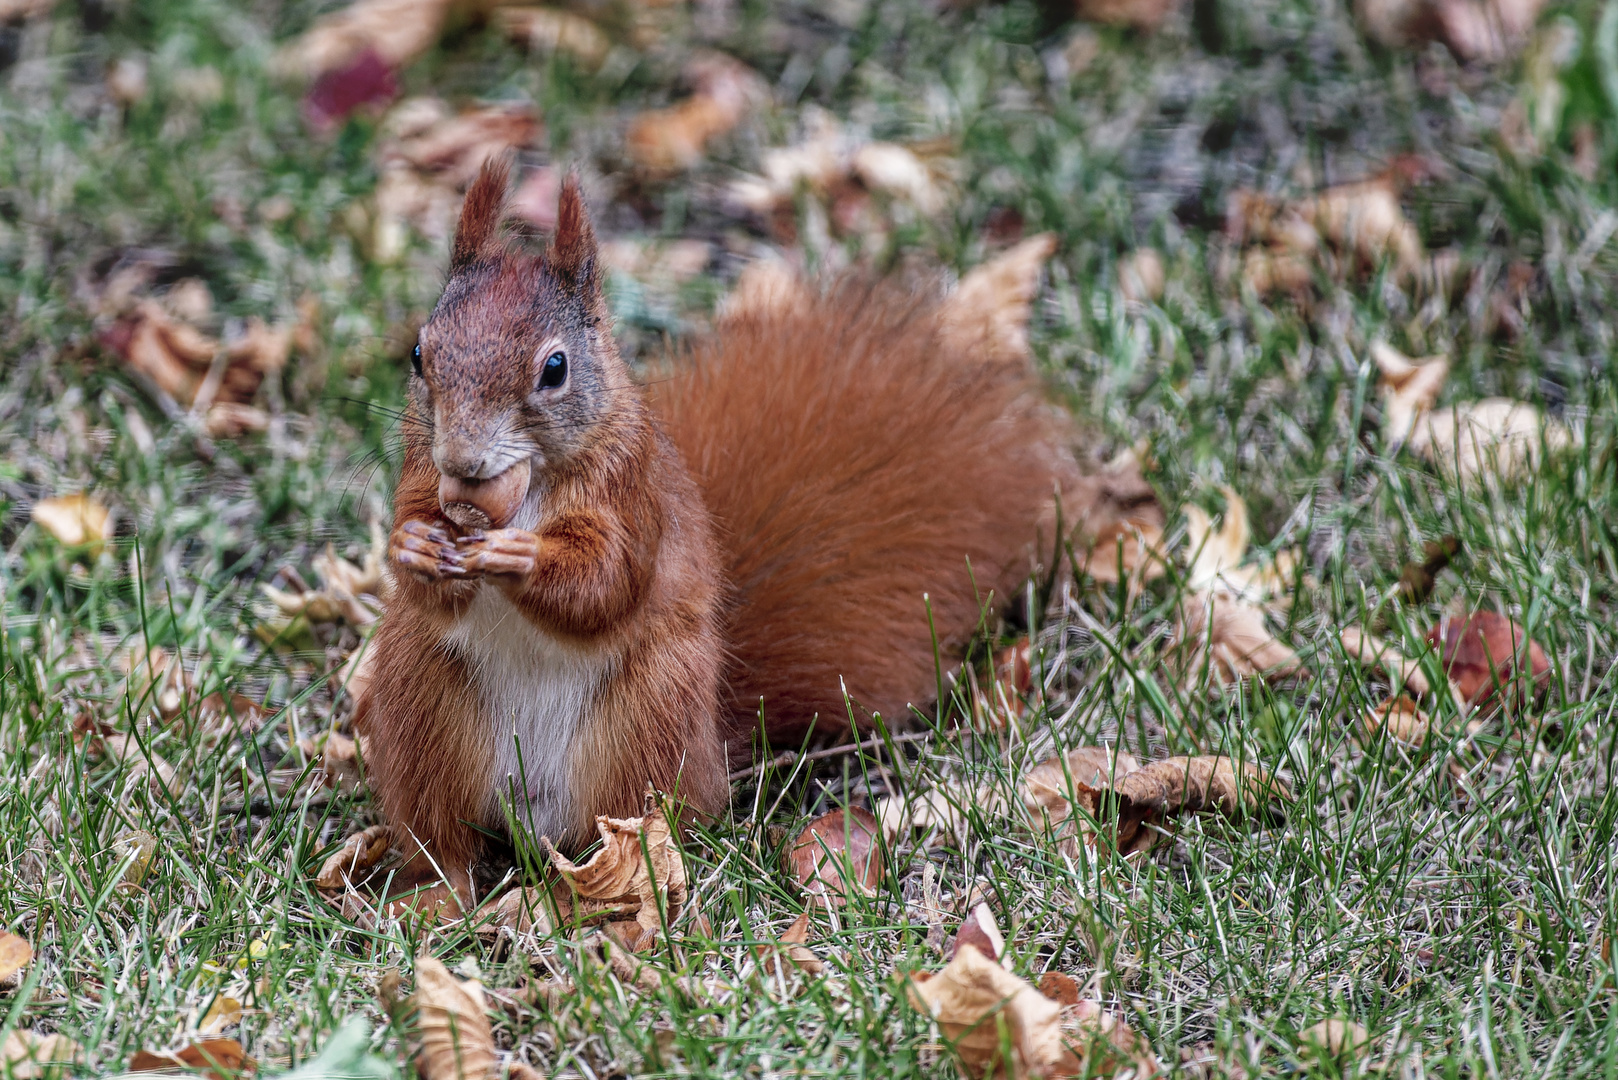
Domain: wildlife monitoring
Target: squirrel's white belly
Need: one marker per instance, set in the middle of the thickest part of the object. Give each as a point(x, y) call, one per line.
point(536, 692)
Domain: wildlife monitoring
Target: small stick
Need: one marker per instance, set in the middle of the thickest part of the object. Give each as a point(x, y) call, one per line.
point(787, 757)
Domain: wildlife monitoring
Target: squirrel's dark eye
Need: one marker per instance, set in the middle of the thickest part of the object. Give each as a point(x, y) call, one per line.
point(415, 360)
point(555, 371)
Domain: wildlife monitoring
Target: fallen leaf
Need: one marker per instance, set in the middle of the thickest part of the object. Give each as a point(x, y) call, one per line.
point(27, 1055)
point(221, 1059)
point(973, 997)
point(15, 954)
point(1409, 387)
point(1483, 649)
point(1232, 635)
point(1482, 440)
point(625, 879)
point(1336, 1039)
point(1400, 718)
point(1142, 14)
point(1157, 791)
point(186, 365)
point(995, 300)
point(1124, 522)
point(366, 80)
point(135, 849)
point(222, 1013)
point(980, 931)
point(353, 861)
point(1361, 223)
point(342, 586)
point(396, 31)
point(551, 30)
point(897, 171)
point(838, 852)
point(1141, 276)
point(228, 420)
point(943, 812)
point(1049, 796)
point(1059, 987)
point(790, 948)
point(1371, 651)
point(665, 141)
point(74, 520)
point(126, 80)
point(456, 1042)
point(1101, 1044)
point(523, 911)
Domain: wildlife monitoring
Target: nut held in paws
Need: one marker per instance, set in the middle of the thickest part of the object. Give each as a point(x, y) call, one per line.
point(484, 504)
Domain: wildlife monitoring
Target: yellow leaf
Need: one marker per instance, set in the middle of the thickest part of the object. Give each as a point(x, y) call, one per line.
point(74, 520)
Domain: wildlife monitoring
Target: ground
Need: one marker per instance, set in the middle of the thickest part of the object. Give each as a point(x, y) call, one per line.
point(1455, 897)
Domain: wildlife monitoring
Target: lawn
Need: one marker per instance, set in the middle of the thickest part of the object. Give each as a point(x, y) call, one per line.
point(1258, 209)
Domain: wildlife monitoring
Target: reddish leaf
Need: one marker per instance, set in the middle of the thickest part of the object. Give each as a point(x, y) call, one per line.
point(365, 80)
point(1483, 649)
point(832, 847)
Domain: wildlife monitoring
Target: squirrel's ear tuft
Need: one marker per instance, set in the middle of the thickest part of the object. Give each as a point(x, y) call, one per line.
point(573, 253)
point(480, 214)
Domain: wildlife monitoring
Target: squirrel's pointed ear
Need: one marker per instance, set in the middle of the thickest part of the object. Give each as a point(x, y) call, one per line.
point(480, 214)
point(573, 253)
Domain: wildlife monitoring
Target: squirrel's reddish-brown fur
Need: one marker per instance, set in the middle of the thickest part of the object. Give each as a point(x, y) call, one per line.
point(866, 461)
point(764, 531)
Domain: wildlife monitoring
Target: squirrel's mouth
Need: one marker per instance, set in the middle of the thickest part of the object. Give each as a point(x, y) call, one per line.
point(484, 504)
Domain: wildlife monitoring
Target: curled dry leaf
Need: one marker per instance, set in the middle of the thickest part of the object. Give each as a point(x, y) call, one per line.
point(668, 140)
point(942, 812)
point(838, 852)
point(1400, 718)
point(522, 911)
point(342, 586)
point(1485, 650)
point(353, 861)
point(1233, 636)
point(74, 520)
point(1124, 523)
point(1052, 801)
point(552, 30)
point(1059, 987)
point(27, 1055)
point(456, 1042)
point(625, 879)
point(1371, 651)
point(1141, 276)
point(15, 954)
point(197, 371)
point(1152, 794)
point(972, 997)
point(1337, 1039)
point(1101, 1044)
point(1361, 223)
point(221, 1059)
point(1409, 387)
point(995, 300)
point(791, 949)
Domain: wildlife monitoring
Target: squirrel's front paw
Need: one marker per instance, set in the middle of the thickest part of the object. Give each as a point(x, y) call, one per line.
point(428, 552)
point(500, 553)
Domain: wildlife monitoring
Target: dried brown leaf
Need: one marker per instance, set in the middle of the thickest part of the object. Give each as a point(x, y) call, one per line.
point(980, 931)
point(1152, 794)
point(1410, 388)
point(353, 861)
point(221, 1059)
point(456, 1042)
point(396, 30)
point(73, 520)
point(972, 997)
point(552, 30)
point(625, 878)
point(838, 852)
point(1483, 440)
point(1484, 649)
point(1371, 651)
point(1338, 1039)
point(1101, 1044)
point(1142, 14)
point(523, 911)
point(1400, 718)
point(995, 300)
point(27, 1055)
point(665, 141)
point(1234, 636)
point(791, 949)
point(1141, 276)
point(15, 954)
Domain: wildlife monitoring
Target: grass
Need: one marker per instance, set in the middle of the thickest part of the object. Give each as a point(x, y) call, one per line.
point(1457, 901)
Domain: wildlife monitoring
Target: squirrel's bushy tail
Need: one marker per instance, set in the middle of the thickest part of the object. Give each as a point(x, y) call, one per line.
point(860, 449)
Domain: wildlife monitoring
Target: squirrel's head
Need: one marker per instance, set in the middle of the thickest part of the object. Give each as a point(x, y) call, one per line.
point(515, 371)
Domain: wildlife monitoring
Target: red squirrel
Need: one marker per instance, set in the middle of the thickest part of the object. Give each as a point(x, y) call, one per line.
point(599, 585)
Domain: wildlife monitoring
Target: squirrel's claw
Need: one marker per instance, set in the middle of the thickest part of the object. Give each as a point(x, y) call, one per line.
point(510, 553)
point(425, 551)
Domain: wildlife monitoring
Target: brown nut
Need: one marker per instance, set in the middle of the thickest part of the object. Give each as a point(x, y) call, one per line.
point(484, 504)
